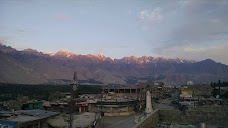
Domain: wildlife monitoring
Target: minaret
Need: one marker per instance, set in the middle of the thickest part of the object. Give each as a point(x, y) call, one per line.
point(148, 102)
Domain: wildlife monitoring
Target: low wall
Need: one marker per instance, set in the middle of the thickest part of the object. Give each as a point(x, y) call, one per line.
point(216, 116)
point(119, 113)
point(219, 118)
point(169, 116)
point(213, 108)
point(150, 121)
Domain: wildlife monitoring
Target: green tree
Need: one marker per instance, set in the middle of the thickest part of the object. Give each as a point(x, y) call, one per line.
point(215, 92)
point(56, 96)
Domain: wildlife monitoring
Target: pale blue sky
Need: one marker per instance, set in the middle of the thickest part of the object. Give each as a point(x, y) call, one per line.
point(195, 29)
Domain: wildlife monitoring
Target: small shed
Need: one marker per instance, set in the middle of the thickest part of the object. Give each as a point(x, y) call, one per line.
point(33, 105)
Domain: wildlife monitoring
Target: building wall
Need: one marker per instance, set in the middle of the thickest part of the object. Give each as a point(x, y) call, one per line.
point(118, 111)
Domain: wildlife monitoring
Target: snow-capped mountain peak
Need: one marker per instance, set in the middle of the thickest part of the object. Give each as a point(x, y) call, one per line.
point(100, 56)
point(64, 53)
point(49, 53)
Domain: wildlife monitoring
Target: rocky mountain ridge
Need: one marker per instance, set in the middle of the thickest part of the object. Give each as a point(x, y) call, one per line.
point(31, 66)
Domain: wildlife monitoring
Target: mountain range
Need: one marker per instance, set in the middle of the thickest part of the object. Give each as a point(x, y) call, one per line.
point(30, 66)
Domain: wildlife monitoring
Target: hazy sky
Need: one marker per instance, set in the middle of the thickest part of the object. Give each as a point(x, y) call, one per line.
point(189, 29)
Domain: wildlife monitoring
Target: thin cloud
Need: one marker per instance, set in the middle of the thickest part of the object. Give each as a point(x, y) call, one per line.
point(27, 30)
point(150, 15)
point(200, 20)
point(3, 40)
point(183, 3)
point(199, 25)
point(149, 18)
point(218, 53)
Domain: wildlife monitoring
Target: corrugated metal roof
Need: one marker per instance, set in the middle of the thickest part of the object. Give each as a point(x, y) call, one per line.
point(30, 115)
point(38, 113)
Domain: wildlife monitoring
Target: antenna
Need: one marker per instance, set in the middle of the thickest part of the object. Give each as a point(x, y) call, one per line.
point(75, 76)
point(74, 88)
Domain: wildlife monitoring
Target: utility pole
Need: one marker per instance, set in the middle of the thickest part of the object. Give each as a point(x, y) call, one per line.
point(74, 86)
point(102, 112)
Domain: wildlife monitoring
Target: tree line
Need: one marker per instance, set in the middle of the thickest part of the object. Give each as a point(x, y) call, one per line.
point(41, 92)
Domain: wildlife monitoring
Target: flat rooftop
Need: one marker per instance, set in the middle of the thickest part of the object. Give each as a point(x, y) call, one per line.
point(28, 115)
point(84, 120)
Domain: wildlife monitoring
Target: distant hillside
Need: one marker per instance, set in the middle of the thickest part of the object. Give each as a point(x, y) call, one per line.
point(32, 67)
